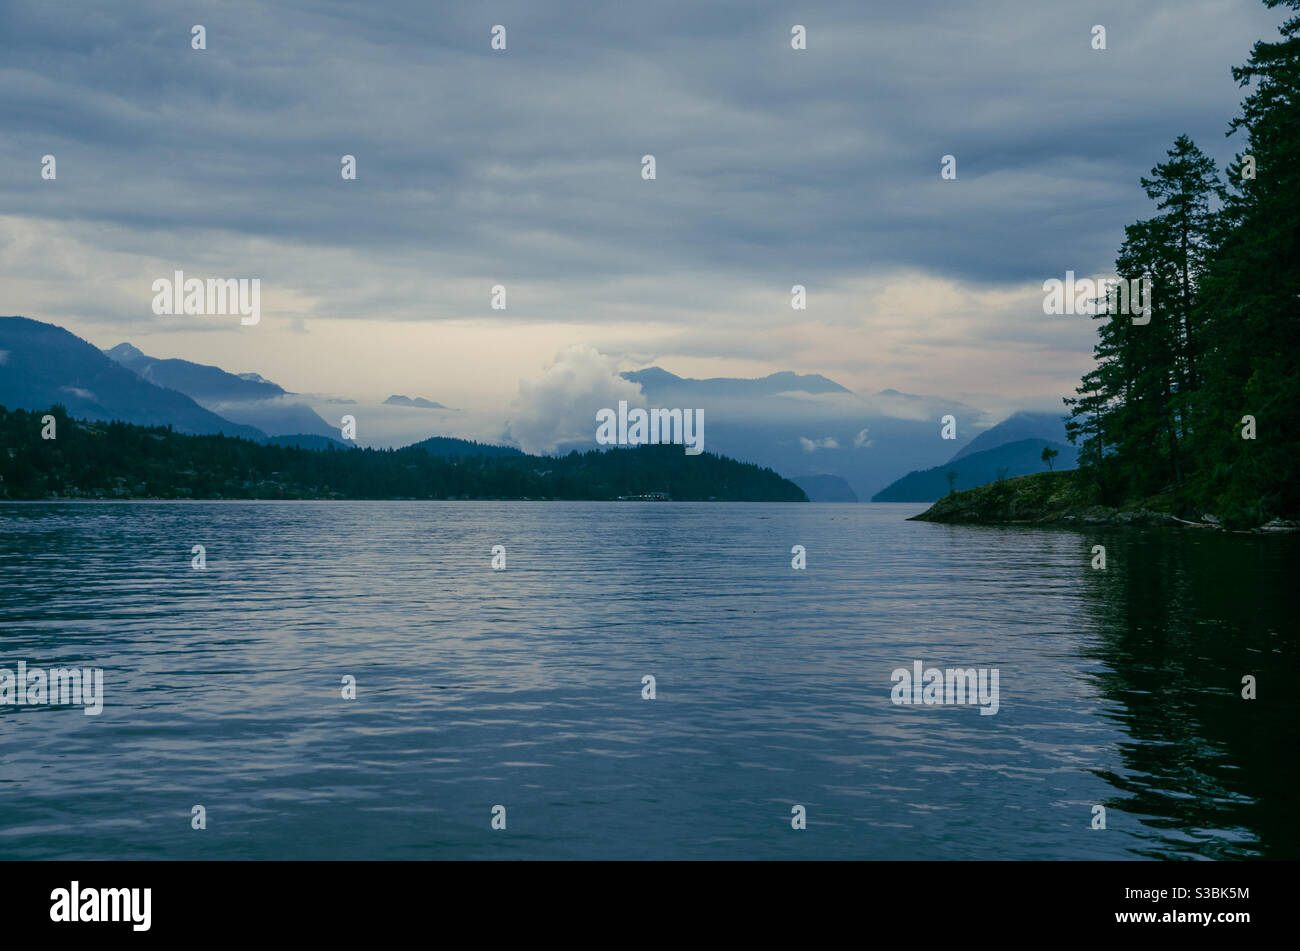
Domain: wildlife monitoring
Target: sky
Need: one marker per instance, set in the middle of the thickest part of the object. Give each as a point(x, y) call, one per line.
point(522, 167)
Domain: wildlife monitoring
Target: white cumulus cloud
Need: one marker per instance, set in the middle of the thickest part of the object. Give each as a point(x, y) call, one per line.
point(560, 407)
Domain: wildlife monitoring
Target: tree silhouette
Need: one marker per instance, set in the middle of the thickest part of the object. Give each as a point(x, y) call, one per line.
point(1160, 412)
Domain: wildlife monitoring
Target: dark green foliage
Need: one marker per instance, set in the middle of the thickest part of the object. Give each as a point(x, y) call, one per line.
point(119, 460)
point(1045, 497)
point(1162, 411)
point(449, 446)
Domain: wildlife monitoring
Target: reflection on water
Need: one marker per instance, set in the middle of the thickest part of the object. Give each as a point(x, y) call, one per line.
point(1181, 618)
point(523, 687)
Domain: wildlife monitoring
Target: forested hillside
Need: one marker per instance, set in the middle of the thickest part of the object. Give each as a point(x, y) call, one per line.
point(119, 460)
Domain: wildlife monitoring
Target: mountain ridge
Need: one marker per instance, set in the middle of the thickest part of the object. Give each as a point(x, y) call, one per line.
point(45, 365)
point(245, 398)
point(1017, 426)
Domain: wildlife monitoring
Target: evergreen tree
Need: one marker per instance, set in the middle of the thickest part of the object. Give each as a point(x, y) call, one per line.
point(1250, 301)
point(1162, 412)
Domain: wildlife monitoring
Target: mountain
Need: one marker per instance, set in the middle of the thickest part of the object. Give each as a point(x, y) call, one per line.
point(42, 365)
point(419, 402)
point(657, 378)
point(246, 398)
point(1022, 457)
point(199, 382)
point(1049, 427)
point(825, 488)
point(804, 425)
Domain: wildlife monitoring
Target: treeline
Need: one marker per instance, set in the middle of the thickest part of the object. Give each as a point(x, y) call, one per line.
point(120, 460)
point(1202, 404)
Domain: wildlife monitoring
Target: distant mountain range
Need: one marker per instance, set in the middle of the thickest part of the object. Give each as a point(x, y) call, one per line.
point(805, 425)
point(658, 379)
point(195, 380)
point(419, 402)
point(838, 446)
point(245, 398)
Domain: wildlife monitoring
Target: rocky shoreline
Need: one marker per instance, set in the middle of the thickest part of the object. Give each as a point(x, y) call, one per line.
point(1060, 498)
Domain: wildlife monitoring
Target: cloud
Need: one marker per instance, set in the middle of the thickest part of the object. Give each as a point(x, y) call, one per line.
point(560, 406)
point(860, 441)
point(525, 170)
point(765, 160)
point(812, 445)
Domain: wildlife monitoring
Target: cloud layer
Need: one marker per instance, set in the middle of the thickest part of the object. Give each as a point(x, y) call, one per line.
point(522, 167)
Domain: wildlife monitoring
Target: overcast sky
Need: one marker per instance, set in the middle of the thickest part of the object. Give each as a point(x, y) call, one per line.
point(522, 167)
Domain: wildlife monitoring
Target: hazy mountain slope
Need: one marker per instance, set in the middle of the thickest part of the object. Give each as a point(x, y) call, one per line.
point(784, 382)
point(825, 488)
point(198, 381)
point(42, 365)
point(1049, 427)
point(245, 398)
point(1022, 457)
point(804, 425)
point(278, 418)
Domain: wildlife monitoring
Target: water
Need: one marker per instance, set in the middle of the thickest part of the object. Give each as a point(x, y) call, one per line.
point(523, 688)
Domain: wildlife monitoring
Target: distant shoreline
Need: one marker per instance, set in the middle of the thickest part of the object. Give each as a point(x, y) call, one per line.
point(48, 456)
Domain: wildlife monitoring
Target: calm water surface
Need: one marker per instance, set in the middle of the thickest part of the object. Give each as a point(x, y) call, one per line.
point(523, 687)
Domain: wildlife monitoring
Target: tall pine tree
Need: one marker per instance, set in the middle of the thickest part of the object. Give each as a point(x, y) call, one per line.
point(1250, 302)
point(1164, 410)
